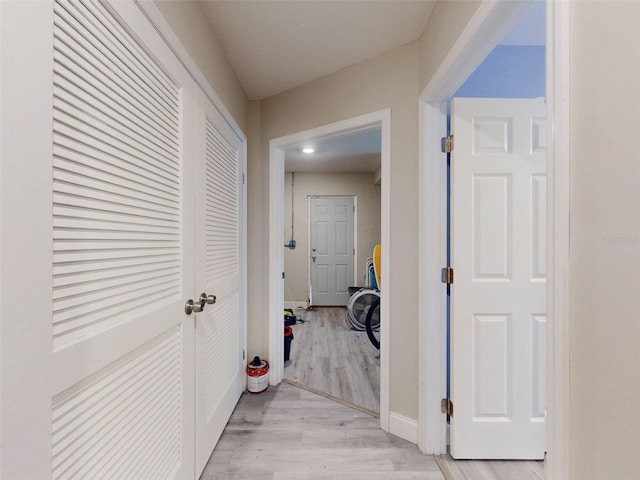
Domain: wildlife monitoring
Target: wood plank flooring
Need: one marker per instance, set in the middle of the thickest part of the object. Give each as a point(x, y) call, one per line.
point(328, 356)
point(288, 433)
point(490, 469)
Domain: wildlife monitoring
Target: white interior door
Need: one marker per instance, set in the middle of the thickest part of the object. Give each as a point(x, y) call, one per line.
point(97, 245)
point(332, 249)
point(220, 252)
point(498, 319)
point(123, 265)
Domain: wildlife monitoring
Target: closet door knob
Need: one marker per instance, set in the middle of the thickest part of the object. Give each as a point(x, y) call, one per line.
point(208, 299)
point(191, 307)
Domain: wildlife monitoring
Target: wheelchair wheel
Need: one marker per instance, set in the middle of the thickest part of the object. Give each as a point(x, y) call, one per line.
point(372, 323)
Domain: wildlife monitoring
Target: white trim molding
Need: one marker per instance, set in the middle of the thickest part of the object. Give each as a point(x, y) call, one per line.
point(380, 119)
point(558, 195)
point(275, 306)
point(296, 304)
point(491, 22)
point(432, 255)
point(484, 30)
point(403, 427)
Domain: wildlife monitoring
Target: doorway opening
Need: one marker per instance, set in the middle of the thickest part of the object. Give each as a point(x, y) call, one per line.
point(332, 212)
point(496, 244)
point(484, 31)
point(291, 256)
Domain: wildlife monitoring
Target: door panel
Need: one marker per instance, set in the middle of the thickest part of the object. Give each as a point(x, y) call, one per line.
point(220, 327)
point(492, 230)
point(332, 249)
point(98, 205)
point(132, 399)
point(498, 298)
point(121, 385)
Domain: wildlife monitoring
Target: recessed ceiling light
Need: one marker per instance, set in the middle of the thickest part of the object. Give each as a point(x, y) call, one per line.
point(308, 150)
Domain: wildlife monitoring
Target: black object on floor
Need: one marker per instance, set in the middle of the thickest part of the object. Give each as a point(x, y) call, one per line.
point(288, 337)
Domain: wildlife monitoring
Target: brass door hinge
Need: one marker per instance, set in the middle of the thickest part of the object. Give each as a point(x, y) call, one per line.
point(446, 406)
point(447, 275)
point(447, 144)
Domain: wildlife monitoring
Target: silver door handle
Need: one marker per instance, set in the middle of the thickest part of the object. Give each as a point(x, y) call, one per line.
point(208, 299)
point(190, 307)
point(204, 300)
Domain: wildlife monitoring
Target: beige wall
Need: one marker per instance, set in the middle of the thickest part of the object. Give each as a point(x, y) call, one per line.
point(605, 241)
point(188, 21)
point(446, 23)
point(257, 248)
point(387, 81)
point(296, 261)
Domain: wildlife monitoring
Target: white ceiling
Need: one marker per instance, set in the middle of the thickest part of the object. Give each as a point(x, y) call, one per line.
point(355, 152)
point(277, 45)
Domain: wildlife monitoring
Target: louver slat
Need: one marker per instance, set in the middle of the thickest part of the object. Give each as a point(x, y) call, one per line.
point(222, 230)
point(222, 339)
point(114, 50)
point(101, 429)
point(117, 209)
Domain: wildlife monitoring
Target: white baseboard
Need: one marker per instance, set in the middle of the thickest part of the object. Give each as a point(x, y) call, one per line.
point(403, 427)
point(295, 305)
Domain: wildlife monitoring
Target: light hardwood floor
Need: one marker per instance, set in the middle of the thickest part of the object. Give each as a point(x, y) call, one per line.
point(490, 469)
point(330, 357)
point(288, 433)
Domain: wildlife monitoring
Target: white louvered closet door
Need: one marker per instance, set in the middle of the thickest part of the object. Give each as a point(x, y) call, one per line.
point(219, 270)
point(122, 380)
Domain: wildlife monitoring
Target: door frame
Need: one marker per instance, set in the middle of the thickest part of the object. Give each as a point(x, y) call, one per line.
point(355, 237)
point(275, 305)
point(488, 25)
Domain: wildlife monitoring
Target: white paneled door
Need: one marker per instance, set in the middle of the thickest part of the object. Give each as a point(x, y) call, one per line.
point(100, 241)
point(498, 318)
point(219, 249)
point(332, 249)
